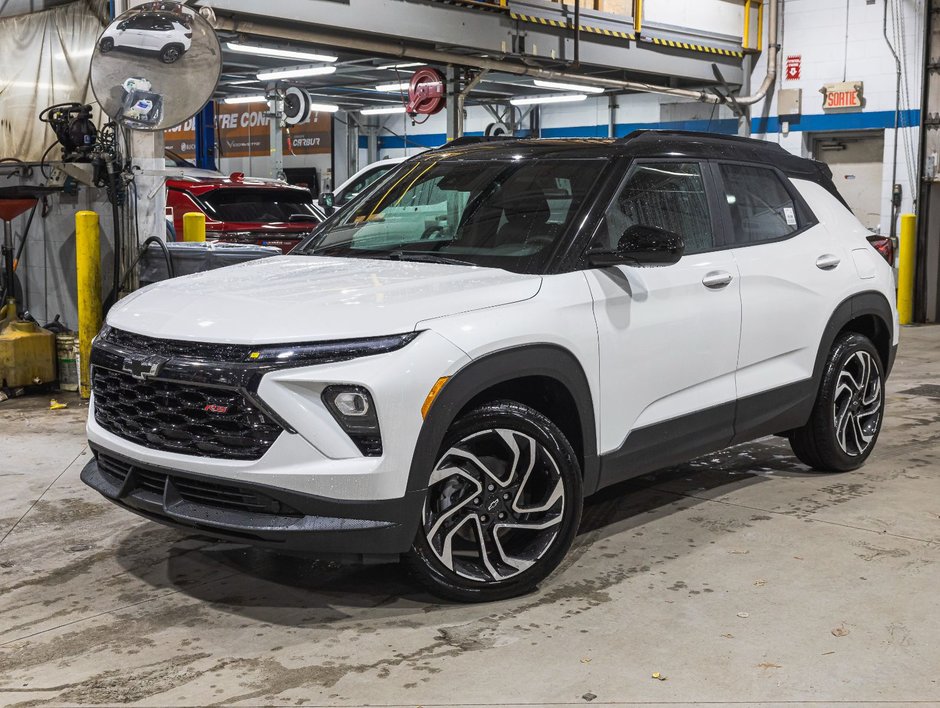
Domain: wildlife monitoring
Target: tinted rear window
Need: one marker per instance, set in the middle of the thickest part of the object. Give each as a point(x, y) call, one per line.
point(257, 205)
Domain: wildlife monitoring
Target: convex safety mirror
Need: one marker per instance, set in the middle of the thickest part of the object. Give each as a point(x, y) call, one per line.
point(156, 66)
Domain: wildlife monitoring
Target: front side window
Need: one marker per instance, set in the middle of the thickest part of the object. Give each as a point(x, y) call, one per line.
point(761, 207)
point(501, 213)
point(663, 195)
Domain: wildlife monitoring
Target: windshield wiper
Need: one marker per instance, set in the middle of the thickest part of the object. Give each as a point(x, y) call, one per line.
point(426, 257)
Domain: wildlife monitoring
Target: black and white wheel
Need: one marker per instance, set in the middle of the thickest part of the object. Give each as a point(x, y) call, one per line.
point(847, 417)
point(106, 45)
point(503, 505)
point(171, 54)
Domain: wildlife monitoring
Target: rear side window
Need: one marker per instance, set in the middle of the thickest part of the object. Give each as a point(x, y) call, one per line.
point(761, 207)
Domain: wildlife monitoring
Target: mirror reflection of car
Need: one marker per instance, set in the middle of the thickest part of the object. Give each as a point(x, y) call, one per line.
point(161, 32)
point(244, 210)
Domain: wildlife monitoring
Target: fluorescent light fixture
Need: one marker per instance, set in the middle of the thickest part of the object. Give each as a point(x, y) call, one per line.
point(409, 65)
point(383, 110)
point(323, 108)
point(277, 53)
point(296, 73)
point(398, 86)
point(254, 98)
point(567, 87)
point(532, 100)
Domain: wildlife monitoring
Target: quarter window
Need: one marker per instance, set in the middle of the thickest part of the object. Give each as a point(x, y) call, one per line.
point(761, 207)
point(665, 195)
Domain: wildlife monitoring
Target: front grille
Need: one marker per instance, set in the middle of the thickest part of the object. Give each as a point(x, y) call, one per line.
point(182, 418)
point(219, 495)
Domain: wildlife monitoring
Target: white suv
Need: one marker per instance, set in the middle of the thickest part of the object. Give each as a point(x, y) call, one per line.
point(445, 369)
point(168, 34)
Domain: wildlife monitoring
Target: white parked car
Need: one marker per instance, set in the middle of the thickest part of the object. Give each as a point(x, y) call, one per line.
point(167, 34)
point(359, 182)
point(445, 370)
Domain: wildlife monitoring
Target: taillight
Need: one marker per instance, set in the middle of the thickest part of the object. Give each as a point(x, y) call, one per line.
point(188, 35)
point(884, 246)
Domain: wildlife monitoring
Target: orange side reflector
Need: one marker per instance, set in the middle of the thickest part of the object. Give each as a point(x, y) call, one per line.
point(432, 394)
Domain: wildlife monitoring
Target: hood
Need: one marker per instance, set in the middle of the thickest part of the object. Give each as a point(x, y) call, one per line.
point(309, 298)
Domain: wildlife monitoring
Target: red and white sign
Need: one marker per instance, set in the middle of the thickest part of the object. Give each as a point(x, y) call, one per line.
point(843, 96)
point(794, 67)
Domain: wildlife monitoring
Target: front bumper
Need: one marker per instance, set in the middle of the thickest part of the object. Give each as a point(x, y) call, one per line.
point(256, 514)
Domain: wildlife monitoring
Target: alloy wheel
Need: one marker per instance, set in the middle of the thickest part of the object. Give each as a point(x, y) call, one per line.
point(857, 403)
point(495, 505)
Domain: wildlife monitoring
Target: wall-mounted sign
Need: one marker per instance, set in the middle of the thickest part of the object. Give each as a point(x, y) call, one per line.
point(245, 131)
point(794, 67)
point(843, 96)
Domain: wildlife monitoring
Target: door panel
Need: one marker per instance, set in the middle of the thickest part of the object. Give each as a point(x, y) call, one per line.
point(792, 275)
point(668, 343)
point(786, 303)
point(668, 336)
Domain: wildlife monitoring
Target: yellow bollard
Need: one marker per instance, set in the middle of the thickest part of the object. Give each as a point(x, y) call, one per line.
point(908, 246)
point(88, 268)
point(194, 227)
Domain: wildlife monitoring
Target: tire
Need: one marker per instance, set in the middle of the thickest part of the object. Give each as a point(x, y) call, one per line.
point(507, 475)
point(106, 45)
point(171, 53)
point(849, 409)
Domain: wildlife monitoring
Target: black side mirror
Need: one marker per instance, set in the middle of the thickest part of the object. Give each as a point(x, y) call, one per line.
point(642, 245)
point(326, 200)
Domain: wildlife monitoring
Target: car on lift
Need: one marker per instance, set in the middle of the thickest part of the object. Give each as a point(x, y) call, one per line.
point(240, 209)
point(451, 364)
point(167, 34)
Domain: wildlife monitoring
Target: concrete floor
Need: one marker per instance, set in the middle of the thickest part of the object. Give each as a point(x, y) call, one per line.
point(741, 578)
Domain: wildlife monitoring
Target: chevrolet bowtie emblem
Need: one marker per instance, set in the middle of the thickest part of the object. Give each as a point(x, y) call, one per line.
point(142, 369)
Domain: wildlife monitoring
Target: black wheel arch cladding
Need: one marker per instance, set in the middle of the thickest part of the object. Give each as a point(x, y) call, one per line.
point(860, 310)
point(502, 367)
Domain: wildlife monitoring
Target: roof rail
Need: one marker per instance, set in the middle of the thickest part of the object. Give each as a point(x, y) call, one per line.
point(653, 133)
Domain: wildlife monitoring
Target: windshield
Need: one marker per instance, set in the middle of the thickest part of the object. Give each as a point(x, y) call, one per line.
point(257, 205)
point(506, 214)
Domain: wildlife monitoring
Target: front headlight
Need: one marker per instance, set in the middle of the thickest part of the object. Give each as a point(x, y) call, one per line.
point(324, 352)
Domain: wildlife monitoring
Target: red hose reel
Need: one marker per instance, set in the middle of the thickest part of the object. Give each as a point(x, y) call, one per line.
point(427, 93)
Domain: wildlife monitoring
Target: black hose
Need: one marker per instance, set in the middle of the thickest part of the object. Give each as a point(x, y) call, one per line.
point(112, 298)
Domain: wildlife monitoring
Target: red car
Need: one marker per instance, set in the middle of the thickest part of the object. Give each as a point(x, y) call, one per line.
point(239, 209)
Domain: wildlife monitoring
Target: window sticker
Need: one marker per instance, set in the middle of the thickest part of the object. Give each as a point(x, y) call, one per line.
point(790, 216)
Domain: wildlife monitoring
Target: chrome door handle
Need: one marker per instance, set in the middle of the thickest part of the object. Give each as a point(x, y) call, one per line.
point(828, 262)
point(717, 279)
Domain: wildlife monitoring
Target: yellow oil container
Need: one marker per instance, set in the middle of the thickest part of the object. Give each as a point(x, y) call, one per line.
point(27, 354)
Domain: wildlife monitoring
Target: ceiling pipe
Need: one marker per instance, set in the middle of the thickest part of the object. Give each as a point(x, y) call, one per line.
point(392, 49)
point(773, 57)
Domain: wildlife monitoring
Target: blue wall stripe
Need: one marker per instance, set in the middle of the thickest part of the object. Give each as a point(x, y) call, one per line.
point(839, 121)
point(726, 126)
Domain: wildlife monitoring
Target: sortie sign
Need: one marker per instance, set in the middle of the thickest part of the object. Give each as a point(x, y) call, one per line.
point(843, 96)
